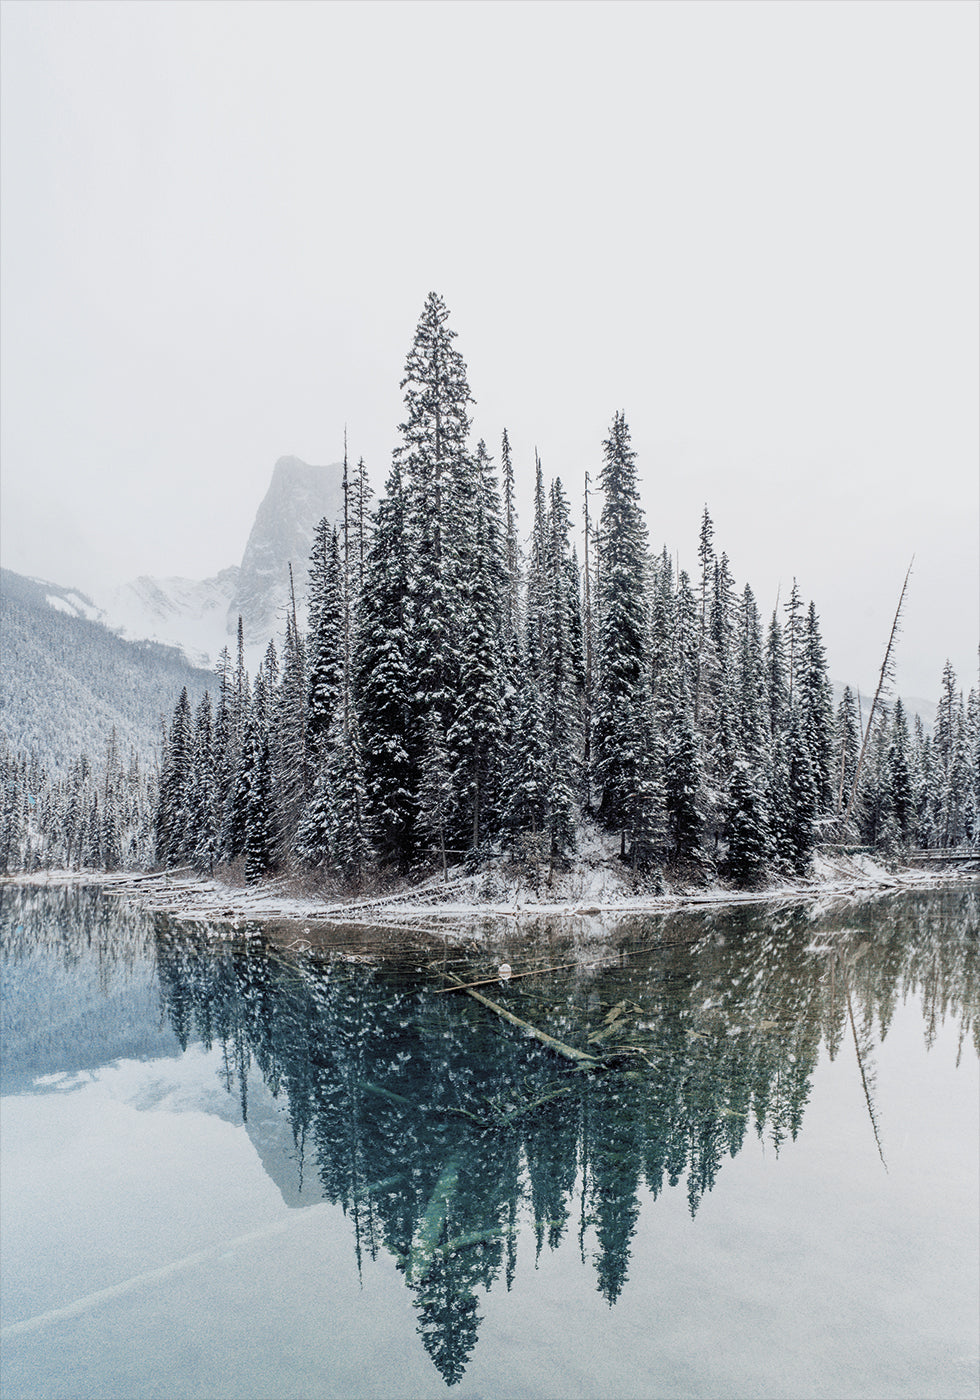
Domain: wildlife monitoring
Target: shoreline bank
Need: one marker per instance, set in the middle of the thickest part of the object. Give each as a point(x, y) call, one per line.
point(201, 899)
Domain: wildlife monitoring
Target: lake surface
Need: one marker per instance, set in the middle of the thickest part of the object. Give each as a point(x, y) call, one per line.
point(237, 1165)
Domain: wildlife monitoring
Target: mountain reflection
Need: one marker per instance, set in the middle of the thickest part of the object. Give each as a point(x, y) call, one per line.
point(437, 1125)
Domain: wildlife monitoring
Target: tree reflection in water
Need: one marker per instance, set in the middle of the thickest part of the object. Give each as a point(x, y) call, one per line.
point(437, 1126)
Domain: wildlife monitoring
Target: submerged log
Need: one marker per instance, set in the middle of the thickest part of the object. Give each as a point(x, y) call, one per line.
point(578, 1057)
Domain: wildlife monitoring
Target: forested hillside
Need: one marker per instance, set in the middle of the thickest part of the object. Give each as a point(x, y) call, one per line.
point(67, 683)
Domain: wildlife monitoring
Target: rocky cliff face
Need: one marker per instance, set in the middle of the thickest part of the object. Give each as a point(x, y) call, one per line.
point(298, 497)
point(200, 616)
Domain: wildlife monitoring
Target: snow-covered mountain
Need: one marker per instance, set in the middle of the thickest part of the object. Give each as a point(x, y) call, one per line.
point(67, 682)
point(186, 613)
point(299, 496)
point(201, 616)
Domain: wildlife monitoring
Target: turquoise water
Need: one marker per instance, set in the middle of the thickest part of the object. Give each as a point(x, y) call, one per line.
point(231, 1169)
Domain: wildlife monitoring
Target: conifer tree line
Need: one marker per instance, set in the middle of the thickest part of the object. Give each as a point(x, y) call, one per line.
point(96, 816)
point(464, 690)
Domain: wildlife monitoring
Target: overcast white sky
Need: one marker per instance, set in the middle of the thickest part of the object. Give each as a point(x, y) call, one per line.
point(753, 227)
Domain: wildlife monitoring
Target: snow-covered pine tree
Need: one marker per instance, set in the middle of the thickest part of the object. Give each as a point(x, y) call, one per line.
point(926, 789)
point(972, 813)
point(511, 624)
point(793, 639)
point(560, 676)
point(684, 651)
point(621, 680)
point(526, 777)
point(536, 593)
point(438, 476)
point(777, 690)
point(877, 825)
point(235, 817)
point(719, 724)
point(111, 817)
point(798, 826)
point(683, 781)
point(435, 800)
point(705, 659)
point(474, 735)
point(816, 707)
point(206, 809)
point(663, 625)
point(847, 741)
point(747, 829)
point(391, 731)
point(325, 651)
point(360, 525)
point(749, 688)
point(900, 776)
point(175, 787)
point(333, 832)
point(290, 759)
point(225, 753)
point(260, 824)
point(950, 750)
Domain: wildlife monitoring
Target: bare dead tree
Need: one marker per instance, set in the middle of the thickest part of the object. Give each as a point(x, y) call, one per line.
point(885, 677)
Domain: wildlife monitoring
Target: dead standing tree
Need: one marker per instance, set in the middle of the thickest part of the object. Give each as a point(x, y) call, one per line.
point(884, 679)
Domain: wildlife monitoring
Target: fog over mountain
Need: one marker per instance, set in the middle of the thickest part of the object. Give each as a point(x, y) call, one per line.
point(201, 616)
point(67, 682)
point(299, 496)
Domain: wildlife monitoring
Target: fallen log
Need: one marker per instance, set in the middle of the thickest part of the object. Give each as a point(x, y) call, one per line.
point(578, 1057)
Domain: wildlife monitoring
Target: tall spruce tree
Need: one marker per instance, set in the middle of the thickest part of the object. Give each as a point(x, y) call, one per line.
point(473, 738)
point(325, 651)
point(816, 708)
point(622, 673)
point(391, 725)
point(437, 472)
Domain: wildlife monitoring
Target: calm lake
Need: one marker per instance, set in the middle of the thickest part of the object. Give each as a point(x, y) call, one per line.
point(238, 1163)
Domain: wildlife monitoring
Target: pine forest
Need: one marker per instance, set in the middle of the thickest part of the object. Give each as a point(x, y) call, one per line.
point(465, 692)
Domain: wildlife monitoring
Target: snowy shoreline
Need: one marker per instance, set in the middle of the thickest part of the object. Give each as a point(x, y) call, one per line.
point(198, 898)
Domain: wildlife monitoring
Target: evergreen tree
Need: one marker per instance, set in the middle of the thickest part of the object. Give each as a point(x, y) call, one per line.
point(683, 779)
point(848, 746)
point(437, 472)
point(622, 674)
point(560, 671)
point(436, 792)
point(173, 812)
point(794, 638)
point(326, 634)
point(777, 692)
point(360, 524)
point(511, 601)
point(816, 708)
point(746, 826)
point(260, 831)
point(290, 756)
point(391, 729)
point(526, 777)
point(749, 683)
point(798, 829)
point(705, 659)
point(474, 734)
point(206, 818)
point(972, 807)
point(900, 776)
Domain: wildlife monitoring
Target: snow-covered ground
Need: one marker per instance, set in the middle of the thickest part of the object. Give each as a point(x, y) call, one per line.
point(453, 904)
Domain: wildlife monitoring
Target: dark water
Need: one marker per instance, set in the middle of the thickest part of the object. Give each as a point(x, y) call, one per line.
point(231, 1168)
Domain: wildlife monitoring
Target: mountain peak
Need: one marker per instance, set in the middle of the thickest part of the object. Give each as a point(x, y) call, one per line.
point(298, 497)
